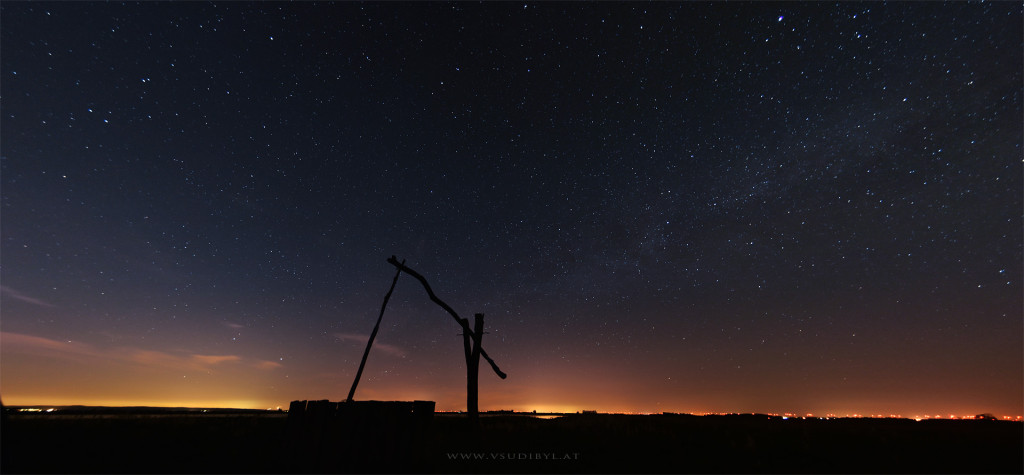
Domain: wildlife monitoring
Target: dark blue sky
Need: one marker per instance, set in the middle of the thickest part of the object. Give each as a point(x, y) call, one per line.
point(696, 206)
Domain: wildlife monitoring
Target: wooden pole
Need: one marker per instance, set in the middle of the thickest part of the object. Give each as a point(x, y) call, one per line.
point(462, 322)
point(366, 353)
point(473, 368)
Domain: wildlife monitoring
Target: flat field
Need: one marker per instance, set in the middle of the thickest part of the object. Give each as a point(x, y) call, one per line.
point(257, 442)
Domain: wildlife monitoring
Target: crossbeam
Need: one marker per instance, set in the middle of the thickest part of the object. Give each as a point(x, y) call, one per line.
point(462, 322)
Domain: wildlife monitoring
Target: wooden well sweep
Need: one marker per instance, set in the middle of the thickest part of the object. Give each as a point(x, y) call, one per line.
point(379, 436)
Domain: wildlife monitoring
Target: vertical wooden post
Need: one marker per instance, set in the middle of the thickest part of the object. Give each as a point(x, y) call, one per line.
point(467, 346)
point(473, 366)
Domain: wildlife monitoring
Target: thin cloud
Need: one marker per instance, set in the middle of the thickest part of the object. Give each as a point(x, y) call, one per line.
point(384, 347)
point(39, 345)
point(29, 344)
point(267, 365)
point(14, 294)
point(153, 358)
point(215, 359)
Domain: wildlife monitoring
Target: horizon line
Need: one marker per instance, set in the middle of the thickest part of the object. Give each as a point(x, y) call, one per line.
point(919, 416)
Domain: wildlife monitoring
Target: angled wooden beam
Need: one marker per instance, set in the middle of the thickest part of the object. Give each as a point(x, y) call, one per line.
point(362, 364)
point(462, 322)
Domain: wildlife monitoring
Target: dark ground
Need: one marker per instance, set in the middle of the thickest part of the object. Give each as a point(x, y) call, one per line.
point(256, 443)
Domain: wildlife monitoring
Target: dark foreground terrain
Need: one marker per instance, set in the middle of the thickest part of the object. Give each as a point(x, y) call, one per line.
point(257, 442)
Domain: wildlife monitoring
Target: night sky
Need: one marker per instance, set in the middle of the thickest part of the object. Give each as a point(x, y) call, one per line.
point(695, 207)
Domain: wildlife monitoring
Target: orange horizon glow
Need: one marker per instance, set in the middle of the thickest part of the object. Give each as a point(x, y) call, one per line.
point(540, 408)
point(46, 372)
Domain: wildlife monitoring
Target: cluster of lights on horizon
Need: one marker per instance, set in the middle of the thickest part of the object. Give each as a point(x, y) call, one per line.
point(783, 416)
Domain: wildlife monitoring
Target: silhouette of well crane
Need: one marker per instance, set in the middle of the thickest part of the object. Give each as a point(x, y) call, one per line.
point(470, 339)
